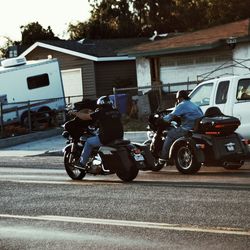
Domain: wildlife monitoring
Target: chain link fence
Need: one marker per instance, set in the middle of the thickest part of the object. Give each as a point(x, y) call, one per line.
point(18, 118)
point(135, 105)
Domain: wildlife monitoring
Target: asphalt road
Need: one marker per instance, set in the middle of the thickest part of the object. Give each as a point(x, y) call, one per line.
point(42, 208)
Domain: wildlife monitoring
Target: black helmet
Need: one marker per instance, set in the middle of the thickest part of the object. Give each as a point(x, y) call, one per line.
point(104, 101)
point(182, 94)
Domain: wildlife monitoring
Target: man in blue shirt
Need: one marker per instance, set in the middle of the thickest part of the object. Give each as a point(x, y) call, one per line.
point(188, 113)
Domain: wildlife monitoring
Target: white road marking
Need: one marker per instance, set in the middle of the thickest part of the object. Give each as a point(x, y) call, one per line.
point(141, 224)
point(89, 182)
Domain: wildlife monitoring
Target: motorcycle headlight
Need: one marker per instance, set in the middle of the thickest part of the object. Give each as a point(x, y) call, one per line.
point(65, 134)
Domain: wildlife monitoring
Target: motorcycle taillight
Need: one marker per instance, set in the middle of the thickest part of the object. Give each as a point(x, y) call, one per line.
point(136, 150)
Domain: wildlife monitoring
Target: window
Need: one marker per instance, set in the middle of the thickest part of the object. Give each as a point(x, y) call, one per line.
point(202, 94)
point(38, 81)
point(243, 90)
point(221, 95)
point(204, 59)
point(185, 61)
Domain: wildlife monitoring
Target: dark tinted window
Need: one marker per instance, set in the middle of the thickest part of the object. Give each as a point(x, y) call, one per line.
point(243, 92)
point(38, 81)
point(221, 95)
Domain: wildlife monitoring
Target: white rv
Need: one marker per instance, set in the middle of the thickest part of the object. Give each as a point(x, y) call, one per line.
point(29, 87)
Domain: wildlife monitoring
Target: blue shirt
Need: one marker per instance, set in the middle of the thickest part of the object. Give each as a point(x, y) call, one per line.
point(188, 112)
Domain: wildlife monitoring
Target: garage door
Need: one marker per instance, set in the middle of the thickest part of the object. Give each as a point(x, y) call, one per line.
point(72, 83)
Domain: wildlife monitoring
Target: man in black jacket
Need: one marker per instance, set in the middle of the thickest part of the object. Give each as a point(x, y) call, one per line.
point(110, 126)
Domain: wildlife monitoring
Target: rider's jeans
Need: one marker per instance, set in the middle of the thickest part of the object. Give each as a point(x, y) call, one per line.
point(172, 135)
point(90, 143)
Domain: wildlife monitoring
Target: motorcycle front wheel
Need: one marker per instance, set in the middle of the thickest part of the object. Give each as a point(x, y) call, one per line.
point(73, 172)
point(185, 160)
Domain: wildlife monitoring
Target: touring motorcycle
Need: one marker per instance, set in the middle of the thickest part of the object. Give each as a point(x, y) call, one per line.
point(120, 157)
point(213, 142)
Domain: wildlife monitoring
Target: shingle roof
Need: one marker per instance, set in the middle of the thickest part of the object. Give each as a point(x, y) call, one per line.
point(193, 41)
point(97, 48)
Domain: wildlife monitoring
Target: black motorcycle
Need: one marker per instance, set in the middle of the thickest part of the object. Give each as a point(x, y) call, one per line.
point(213, 142)
point(119, 157)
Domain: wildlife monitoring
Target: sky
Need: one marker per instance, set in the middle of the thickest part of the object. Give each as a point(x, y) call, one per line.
point(54, 13)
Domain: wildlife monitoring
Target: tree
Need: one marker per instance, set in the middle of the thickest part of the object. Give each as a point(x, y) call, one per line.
point(7, 43)
point(109, 19)
point(127, 18)
point(34, 32)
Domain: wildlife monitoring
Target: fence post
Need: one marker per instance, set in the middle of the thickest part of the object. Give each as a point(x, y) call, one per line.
point(29, 117)
point(114, 92)
point(1, 115)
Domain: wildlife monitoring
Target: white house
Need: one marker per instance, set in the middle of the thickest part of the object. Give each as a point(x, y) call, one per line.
point(184, 60)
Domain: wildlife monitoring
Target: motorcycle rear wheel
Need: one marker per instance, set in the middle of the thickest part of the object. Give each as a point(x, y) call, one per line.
point(185, 160)
point(73, 173)
point(127, 174)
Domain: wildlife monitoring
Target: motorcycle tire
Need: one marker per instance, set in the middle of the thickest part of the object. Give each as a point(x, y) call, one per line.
point(73, 173)
point(186, 161)
point(157, 167)
point(127, 174)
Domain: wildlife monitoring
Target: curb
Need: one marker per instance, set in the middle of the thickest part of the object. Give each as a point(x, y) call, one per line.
point(134, 136)
point(16, 140)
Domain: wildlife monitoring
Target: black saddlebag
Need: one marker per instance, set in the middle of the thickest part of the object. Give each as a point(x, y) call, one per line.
point(228, 147)
point(218, 125)
point(119, 159)
point(148, 156)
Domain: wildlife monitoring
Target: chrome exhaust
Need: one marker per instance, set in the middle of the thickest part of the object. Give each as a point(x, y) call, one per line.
point(227, 164)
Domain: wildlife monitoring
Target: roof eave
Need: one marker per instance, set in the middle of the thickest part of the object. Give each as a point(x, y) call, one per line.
point(74, 53)
point(168, 51)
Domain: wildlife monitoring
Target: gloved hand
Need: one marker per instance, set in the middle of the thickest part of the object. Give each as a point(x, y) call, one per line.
point(160, 122)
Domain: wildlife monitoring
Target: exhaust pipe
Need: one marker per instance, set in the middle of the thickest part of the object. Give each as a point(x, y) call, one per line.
point(227, 164)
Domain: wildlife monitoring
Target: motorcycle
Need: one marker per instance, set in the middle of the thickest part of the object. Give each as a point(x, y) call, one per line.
point(120, 157)
point(213, 142)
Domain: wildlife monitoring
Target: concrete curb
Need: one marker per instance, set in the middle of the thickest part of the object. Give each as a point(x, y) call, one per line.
point(16, 140)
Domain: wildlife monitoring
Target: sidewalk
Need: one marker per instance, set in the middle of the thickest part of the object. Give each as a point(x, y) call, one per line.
point(49, 143)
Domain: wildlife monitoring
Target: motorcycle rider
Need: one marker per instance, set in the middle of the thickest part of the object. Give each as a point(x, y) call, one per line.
point(76, 126)
point(188, 113)
point(109, 123)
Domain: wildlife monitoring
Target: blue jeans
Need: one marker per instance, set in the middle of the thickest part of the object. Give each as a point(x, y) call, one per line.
point(90, 143)
point(172, 135)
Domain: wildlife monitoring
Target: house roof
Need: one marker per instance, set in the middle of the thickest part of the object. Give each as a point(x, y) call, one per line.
point(96, 50)
point(194, 41)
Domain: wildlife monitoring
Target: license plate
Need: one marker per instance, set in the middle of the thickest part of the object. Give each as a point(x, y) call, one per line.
point(138, 157)
point(230, 147)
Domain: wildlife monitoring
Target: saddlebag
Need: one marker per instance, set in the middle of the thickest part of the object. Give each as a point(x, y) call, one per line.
point(218, 125)
point(148, 156)
point(119, 157)
point(229, 147)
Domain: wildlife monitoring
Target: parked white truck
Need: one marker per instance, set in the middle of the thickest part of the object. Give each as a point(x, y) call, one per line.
point(29, 87)
point(231, 94)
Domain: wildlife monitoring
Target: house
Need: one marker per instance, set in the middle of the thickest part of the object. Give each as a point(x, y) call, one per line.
point(183, 60)
point(89, 67)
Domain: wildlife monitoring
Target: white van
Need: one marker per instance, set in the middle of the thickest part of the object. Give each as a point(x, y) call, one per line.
point(231, 94)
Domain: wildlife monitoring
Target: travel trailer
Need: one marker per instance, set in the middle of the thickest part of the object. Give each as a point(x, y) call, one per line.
point(29, 87)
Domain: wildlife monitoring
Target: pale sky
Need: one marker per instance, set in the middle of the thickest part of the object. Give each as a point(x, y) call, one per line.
point(54, 13)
